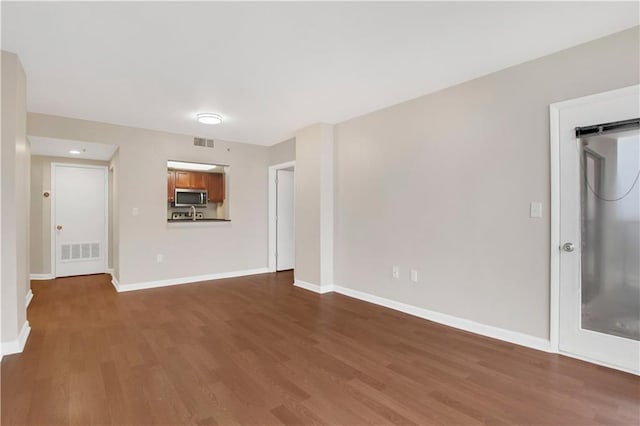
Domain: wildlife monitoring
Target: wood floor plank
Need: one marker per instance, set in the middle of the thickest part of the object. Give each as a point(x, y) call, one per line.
point(257, 350)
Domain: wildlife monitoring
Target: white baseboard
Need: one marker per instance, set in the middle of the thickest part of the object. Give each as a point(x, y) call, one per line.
point(114, 280)
point(28, 297)
point(115, 283)
point(186, 280)
point(598, 362)
point(314, 287)
point(17, 345)
point(39, 277)
point(451, 321)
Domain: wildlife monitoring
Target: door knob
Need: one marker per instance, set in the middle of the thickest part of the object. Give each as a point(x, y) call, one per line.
point(568, 247)
point(59, 227)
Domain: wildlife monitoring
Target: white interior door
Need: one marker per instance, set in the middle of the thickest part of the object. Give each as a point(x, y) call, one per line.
point(599, 316)
point(285, 237)
point(79, 219)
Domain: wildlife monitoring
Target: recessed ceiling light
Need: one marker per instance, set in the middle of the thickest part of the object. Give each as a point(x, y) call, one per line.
point(209, 118)
point(74, 152)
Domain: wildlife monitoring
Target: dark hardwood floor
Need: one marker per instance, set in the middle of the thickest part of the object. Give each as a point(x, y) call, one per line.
point(256, 350)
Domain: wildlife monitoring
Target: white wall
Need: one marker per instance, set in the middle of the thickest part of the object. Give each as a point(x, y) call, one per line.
point(314, 205)
point(282, 152)
point(442, 184)
point(140, 169)
point(14, 217)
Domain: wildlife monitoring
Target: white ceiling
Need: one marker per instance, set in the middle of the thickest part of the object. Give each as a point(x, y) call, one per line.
point(52, 147)
point(272, 68)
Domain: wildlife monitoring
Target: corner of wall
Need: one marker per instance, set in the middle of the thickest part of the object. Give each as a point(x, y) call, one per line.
point(314, 205)
point(14, 203)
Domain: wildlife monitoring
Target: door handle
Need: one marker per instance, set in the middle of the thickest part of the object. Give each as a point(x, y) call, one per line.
point(59, 227)
point(568, 247)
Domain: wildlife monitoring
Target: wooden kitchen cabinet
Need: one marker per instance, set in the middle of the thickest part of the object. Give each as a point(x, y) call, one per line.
point(198, 180)
point(215, 187)
point(181, 179)
point(171, 185)
point(190, 180)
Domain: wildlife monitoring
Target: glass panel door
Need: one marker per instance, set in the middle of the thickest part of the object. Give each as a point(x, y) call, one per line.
point(599, 234)
point(610, 231)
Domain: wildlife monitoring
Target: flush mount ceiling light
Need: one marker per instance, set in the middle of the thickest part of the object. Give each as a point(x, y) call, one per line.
point(74, 152)
point(209, 118)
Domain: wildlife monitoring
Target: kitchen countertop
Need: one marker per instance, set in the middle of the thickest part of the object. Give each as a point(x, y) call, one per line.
point(197, 220)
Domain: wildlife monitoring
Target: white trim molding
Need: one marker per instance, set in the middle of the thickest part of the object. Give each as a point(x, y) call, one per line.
point(121, 288)
point(451, 321)
point(598, 362)
point(314, 287)
point(41, 277)
point(114, 280)
point(554, 278)
point(115, 283)
point(28, 297)
point(17, 345)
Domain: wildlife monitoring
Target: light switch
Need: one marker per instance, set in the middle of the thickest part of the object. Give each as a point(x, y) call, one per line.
point(135, 211)
point(535, 209)
point(414, 275)
point(395, 271)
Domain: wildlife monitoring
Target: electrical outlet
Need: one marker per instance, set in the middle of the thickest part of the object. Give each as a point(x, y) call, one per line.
point(135, 211)
point(395, 271)
point(159, 258)
point(414, 275)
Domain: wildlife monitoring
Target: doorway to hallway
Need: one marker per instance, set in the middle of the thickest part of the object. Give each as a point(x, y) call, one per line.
point(282, 217)
point(79, 219)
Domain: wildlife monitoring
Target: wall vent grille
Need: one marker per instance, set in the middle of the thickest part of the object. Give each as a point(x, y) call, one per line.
point(74, 252)
point(207, 143)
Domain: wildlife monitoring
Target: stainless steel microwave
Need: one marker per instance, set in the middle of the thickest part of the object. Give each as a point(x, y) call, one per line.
point(190, 197)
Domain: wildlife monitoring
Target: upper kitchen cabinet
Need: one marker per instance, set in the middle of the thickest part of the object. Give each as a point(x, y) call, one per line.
point(171, 185)
point(184, 179)
point(215, 187)
point(190, 180)
point(199, 180)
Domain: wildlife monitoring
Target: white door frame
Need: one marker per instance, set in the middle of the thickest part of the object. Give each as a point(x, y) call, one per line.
point(555, 138)
point(272, 210)
point(53, 211)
